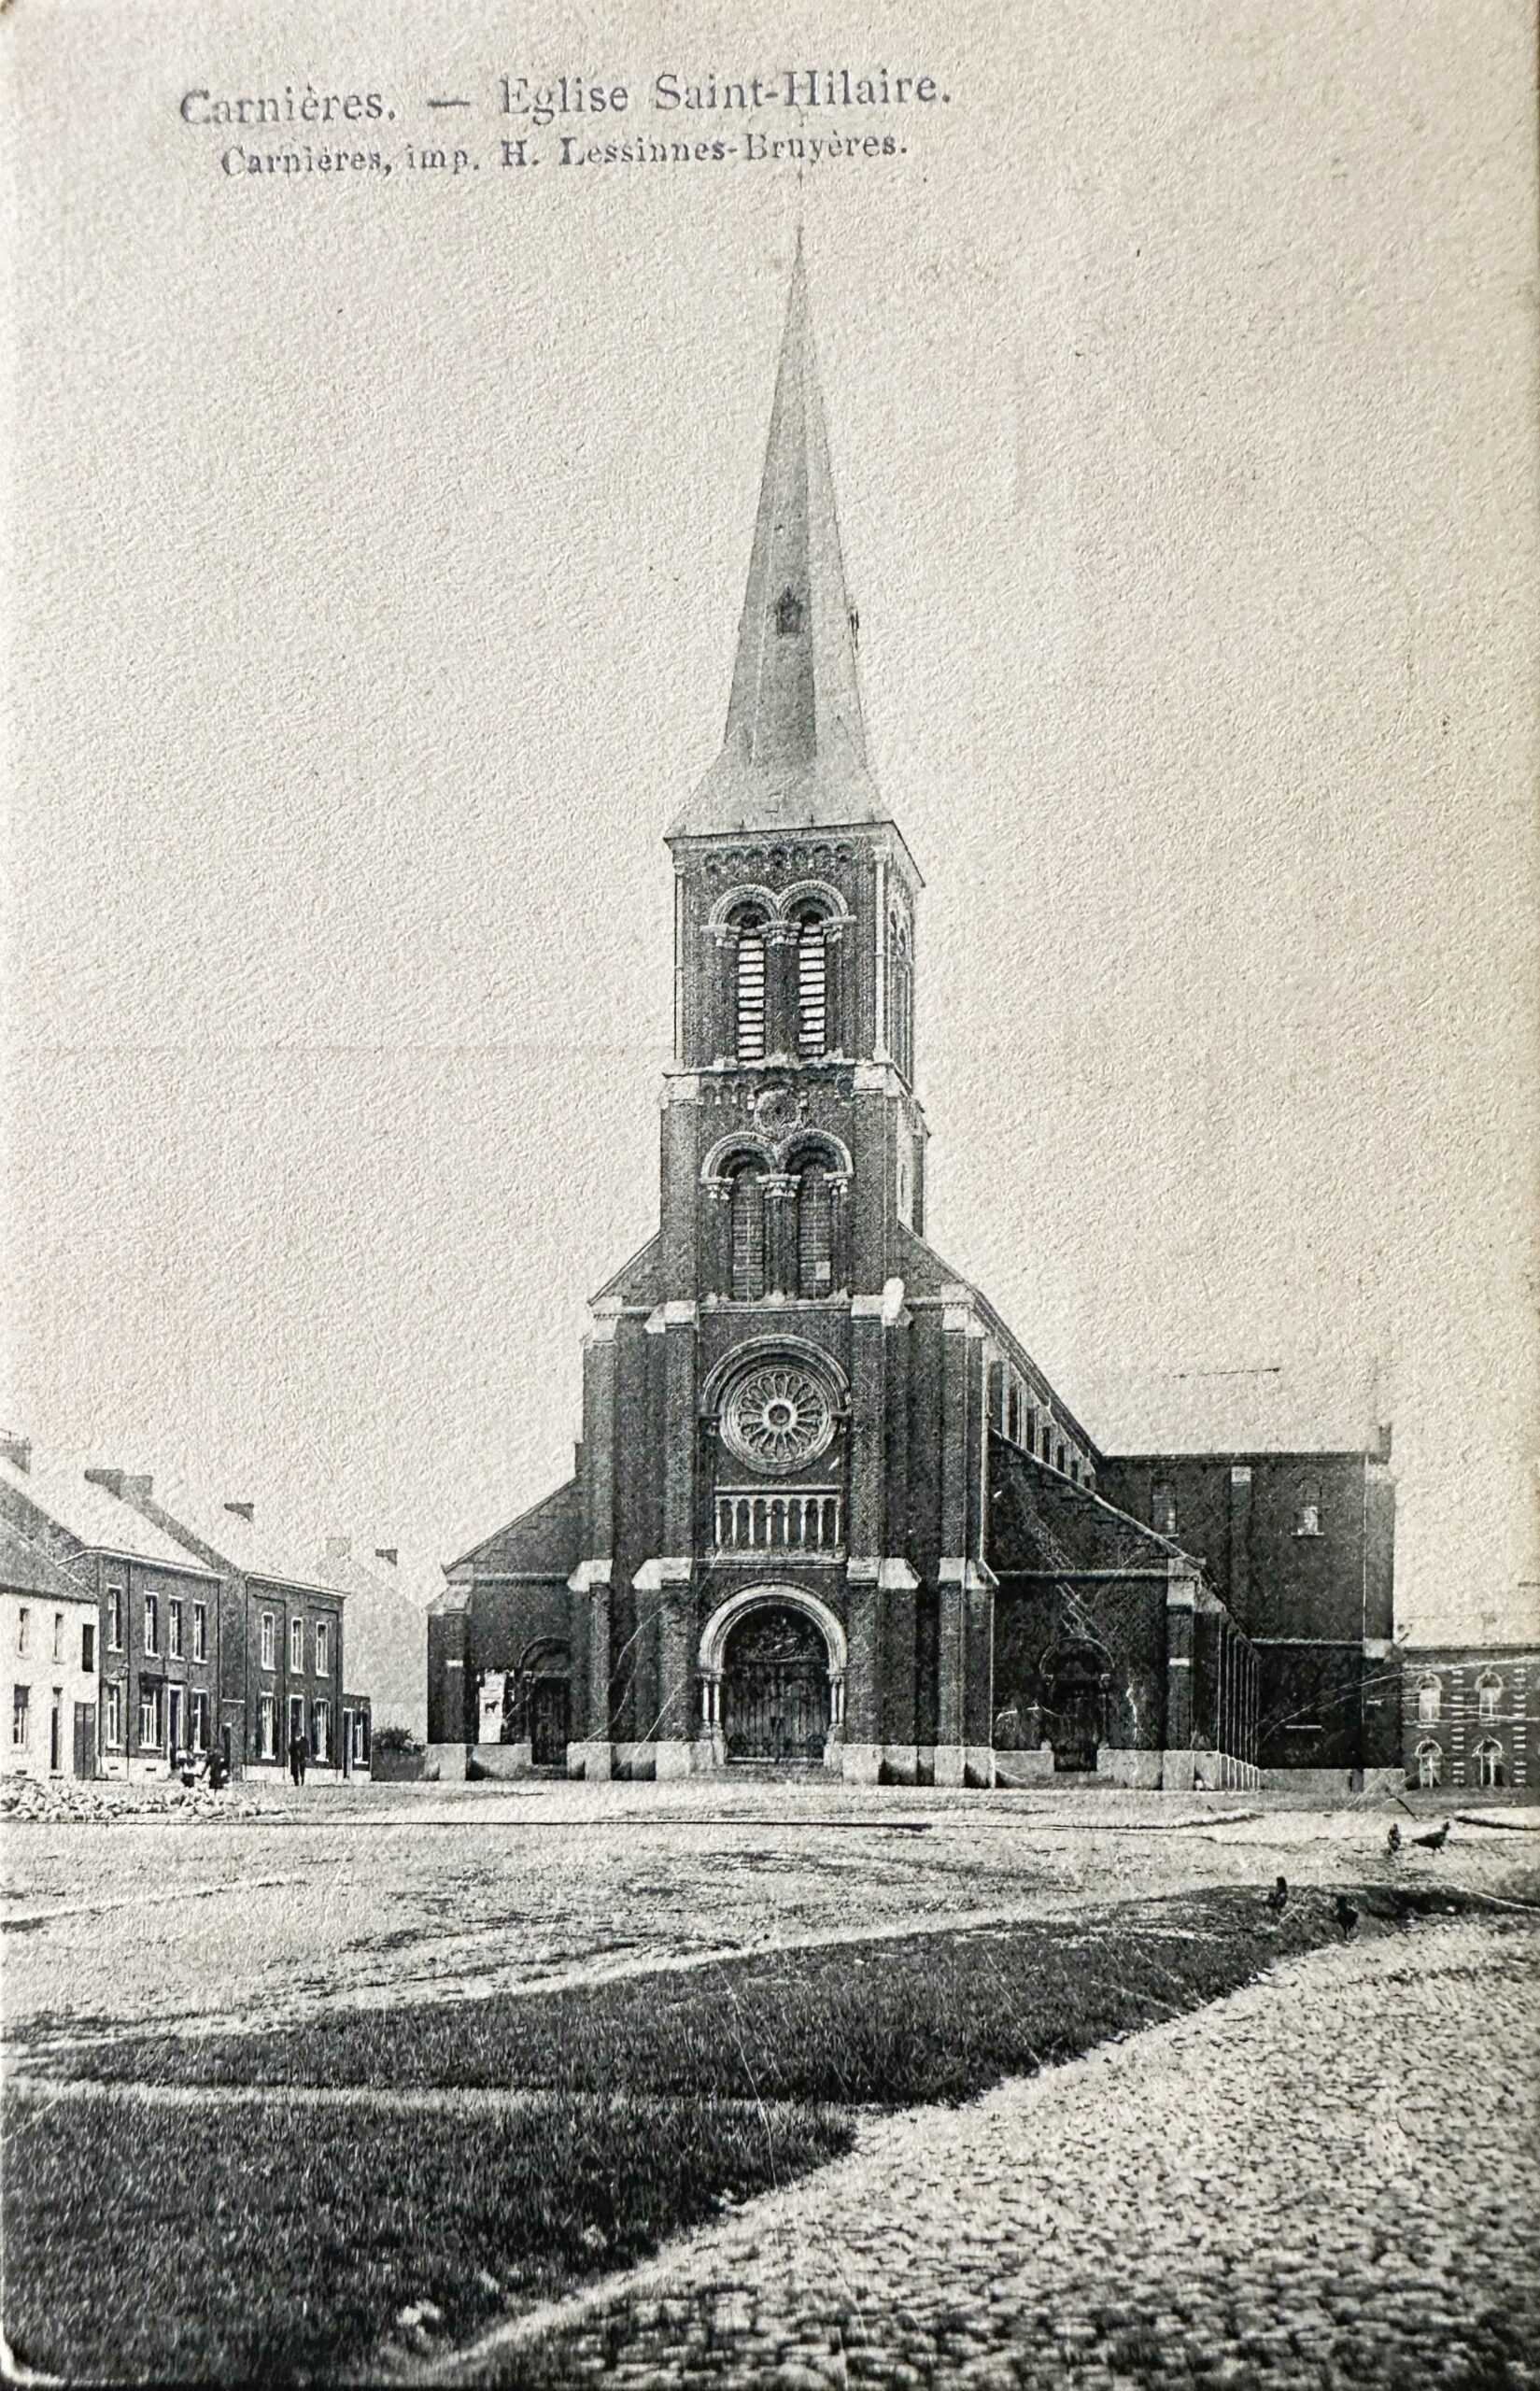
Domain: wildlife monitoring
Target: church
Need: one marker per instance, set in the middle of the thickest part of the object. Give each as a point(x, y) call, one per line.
point(828, 1515)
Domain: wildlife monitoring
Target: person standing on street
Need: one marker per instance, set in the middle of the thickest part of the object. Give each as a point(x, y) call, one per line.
point(296, 1757)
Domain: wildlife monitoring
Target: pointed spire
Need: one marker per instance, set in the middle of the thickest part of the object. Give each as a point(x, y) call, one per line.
point(795, 746)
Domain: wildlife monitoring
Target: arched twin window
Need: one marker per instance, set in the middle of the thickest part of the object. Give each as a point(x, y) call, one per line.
point(804, 1261)
point(1487, 1757)
point(1489, 1692)
point(1429, 1762)
point(1430, 1702)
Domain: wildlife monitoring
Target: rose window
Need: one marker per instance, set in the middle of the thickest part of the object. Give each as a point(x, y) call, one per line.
point(778, 1415)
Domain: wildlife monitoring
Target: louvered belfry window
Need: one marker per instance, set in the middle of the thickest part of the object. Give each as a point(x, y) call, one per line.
point(747, 1220)
point(812, 987)
point(751, 992)
point(814, 1253)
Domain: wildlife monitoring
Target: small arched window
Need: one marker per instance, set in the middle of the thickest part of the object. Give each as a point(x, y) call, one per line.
point(811, 986)
point(749, 1036)
point(1487, 1757)
point(814, 1231)
point(901, 985)
point(1430, 1764)
point(746, 1234)
point(1489, 1692)
point(1430, 1702)
point(1307, 1510)
point(1163, 1510)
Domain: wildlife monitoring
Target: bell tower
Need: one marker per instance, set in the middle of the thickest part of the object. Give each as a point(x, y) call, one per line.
point(793, 1139)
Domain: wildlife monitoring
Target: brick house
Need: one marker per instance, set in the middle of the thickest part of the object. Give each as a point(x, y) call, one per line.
point(826, 1511)
point(1470, 1715)
point(281, 1665)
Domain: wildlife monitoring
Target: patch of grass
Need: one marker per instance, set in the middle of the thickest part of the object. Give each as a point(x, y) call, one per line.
point(276, 2241)
point(279, 2244)
point(937, 2016)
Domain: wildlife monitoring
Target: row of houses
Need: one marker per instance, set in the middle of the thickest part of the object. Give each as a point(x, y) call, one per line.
point(140, 1625)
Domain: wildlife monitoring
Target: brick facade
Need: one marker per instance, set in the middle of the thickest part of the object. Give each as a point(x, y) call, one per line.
point(1470, 1715)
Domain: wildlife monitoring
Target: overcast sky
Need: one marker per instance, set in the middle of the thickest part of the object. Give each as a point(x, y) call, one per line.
point(382, 543)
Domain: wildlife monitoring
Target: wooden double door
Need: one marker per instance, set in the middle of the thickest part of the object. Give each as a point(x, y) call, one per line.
point(775, 1688)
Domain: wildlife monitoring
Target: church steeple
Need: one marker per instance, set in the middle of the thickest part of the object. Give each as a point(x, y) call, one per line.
point(794, 751)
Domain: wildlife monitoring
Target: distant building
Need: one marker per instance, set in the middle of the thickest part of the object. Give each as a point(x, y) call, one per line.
point(386, 1633)
point(826, 1511)
point(1470, 1715)
point(49, 1640)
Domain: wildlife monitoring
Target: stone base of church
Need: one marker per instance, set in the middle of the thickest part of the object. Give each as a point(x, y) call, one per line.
point(593, 1761)
point(1024, 1768)
point(444, 1763)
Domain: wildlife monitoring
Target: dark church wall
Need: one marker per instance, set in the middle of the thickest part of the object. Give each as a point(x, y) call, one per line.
point(1128, 1619)
point(1314, 1708)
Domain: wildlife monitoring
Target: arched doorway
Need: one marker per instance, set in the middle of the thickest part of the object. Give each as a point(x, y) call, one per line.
point(539, 1702)
point(775, 1688)
point(1077, 1681)
point(772, 1677)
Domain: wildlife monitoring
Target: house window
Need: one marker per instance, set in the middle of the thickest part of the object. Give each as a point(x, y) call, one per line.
point(87, 1649)
point(1429, 1761)
point(200, 1631)
point(1307, 1514)
point(812, 986)
point(174, 1628)
point(361, 1738)
point(23, 1629)
point(58, 1635)
point(296, 1717)
point(197, 1720)
point(116, 1599)
point(1059, 1462)
point(152, 1623)
point(1430, 1702)
point(149, 1718)
point(323, 1648)
point(296, 1647)
point(1163, 1511)
point(751, 992)
point(267, 1726)
point(1487, 1758)
point(20, 1716)
point(320, 1742)
point(112, 1714)
point(1489, 1691)
point(270, 1640)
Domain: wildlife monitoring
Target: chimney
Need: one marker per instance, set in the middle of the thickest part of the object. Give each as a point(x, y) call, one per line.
point(246, 1511)
point(389, 1553)
point(17, 1449)
point(339, 1548)
point(136, 1491)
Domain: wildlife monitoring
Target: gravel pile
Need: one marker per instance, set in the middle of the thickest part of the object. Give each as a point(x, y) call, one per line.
point(30, 1801)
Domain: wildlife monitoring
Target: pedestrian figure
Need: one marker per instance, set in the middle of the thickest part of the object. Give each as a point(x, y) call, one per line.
point(296, 1757)
point(216, 1769)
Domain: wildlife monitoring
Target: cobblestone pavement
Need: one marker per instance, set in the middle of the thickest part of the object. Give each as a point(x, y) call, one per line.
point(1330, 2178)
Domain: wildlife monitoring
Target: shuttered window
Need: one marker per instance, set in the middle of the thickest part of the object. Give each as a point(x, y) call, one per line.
point(747, 1216)
point(814, 1263)
point(812, 988)
point(751, 995)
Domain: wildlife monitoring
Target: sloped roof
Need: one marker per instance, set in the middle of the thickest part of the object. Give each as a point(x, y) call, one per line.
point(255, 1547)
point(1320, 1405)
point(26, 1569)
point(99, 1521)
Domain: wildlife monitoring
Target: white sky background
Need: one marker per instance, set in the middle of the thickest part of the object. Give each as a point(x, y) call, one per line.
point(382, 545)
